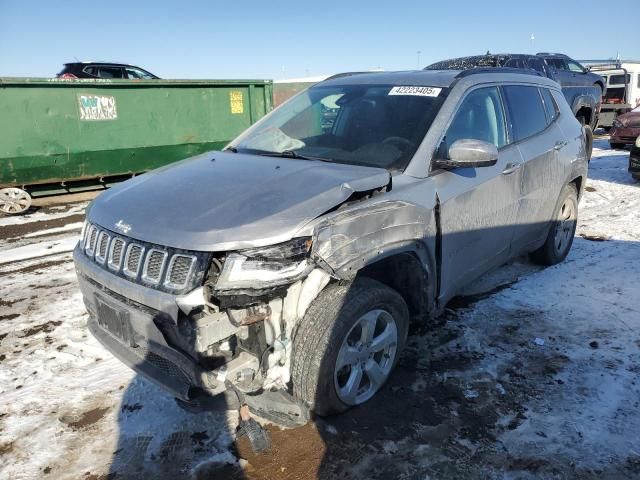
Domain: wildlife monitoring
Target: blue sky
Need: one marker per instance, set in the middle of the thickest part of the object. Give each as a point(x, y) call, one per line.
point(247, 39)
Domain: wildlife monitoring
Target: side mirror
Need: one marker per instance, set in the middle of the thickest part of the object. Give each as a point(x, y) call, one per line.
point(466, 153)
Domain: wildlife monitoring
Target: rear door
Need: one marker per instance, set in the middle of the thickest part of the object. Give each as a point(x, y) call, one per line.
point(478, 206)
point(533, 114)
point(561, 70)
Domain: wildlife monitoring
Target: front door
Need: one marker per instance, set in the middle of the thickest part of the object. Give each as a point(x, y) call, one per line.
point(478, 206)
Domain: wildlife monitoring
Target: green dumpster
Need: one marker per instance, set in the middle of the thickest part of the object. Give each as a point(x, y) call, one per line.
point(60, 135)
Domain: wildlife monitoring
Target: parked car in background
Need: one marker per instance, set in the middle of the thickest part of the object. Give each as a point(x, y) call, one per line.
point(623, 88)
point(582, 89)
point(625, 129)
point(104, 70)
point(634, 160)
point(304, 250)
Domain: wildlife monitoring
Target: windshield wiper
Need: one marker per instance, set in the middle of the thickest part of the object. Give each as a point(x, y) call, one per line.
point(290, 154)
point(231, 149)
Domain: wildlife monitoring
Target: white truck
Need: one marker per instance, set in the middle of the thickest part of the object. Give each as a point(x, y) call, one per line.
point(623, 87)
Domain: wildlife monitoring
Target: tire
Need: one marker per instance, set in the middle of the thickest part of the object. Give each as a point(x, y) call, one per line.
point(563, 228)
point(330, 332)
point(589, 143)
point(616, 146)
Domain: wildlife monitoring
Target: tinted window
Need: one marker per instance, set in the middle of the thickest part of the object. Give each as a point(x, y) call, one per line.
point(515, 63)
point(556, 63)
point(479, 117)
point(537, 65)
point(109, 72)
point(90, 70)
point(526, 112)
point(619, 79)
point(549, 104)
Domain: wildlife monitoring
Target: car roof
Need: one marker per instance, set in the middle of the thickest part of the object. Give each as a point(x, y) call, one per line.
point(433, 78)
point(109, 64)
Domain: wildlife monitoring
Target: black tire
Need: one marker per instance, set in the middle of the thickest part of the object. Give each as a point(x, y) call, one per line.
point(553, 251)
point(328, 322)
point(616, 146)
point(589, 141)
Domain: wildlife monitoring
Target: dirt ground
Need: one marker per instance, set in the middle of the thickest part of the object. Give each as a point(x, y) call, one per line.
point(531, 374)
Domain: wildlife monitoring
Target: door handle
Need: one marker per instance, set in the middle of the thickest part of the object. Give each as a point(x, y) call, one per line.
point(560, 144)
point(511, 167)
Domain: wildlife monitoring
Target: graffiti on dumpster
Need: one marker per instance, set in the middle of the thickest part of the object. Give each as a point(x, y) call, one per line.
point(97, 107)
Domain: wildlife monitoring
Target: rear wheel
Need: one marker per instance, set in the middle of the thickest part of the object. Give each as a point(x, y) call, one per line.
point(14, 201)
point(560, 236)
point(347, 345)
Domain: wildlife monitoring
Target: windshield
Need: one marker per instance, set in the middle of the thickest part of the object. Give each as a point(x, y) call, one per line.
point(372, 125)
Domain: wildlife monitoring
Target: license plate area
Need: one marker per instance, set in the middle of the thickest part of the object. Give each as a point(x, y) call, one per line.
point(116, 321)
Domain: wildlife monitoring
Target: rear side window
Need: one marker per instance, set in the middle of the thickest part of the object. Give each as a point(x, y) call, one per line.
point(526, 112)
point(537, 65)
point(109, 72)
point(480, 117)
point(515, 63)
point(550, 105)
point(557, 63)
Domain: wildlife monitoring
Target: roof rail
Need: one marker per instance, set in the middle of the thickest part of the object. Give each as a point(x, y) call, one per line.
point(521, 71)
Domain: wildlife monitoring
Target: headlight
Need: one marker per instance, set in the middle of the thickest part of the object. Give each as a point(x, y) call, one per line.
point(83, 233)
point(266, 267)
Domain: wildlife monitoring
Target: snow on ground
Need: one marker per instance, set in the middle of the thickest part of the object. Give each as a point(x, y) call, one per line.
point(534, 374)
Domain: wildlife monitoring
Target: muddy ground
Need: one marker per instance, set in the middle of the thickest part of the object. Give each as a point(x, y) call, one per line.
point(533, 373)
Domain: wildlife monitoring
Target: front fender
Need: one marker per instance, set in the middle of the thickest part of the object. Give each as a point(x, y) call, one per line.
point(348, 241)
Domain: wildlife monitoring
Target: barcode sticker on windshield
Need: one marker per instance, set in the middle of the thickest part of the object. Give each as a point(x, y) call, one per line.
point(418, 91)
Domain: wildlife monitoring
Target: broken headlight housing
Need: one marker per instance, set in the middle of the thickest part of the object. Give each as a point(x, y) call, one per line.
point(259, 268)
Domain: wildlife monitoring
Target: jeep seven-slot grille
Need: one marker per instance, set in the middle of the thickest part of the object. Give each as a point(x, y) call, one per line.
point(159, 267)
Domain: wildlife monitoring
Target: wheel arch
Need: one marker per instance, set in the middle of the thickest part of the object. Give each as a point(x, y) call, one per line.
point(408, 274)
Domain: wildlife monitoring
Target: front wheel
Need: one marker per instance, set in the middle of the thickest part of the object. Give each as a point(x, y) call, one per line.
point(560, 236)
point(347, 345)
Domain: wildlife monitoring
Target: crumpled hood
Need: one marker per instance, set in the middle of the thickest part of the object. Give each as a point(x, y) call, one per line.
point(225, 201)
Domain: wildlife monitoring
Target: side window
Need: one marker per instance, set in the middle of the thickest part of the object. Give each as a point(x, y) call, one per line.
point(549, 105)
point(575, 66)
point(479, 117)
point(137, 74)
point(515, 63)
point(109, 72)
point(526, 112)
point(537, 65)
point(90, 70)
point(556, 63)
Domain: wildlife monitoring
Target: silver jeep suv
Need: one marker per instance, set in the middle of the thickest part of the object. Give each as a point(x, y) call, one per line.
point(288, 267)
